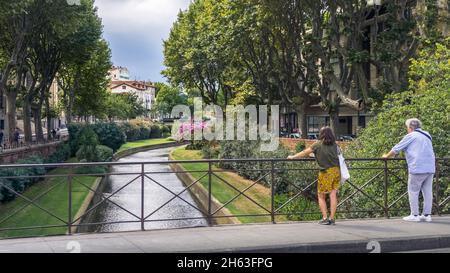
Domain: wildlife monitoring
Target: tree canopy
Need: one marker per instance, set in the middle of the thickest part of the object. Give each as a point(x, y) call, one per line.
point(298, 52)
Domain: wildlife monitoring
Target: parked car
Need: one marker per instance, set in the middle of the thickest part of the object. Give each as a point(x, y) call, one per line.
point(347, 137)
point(313, 136)
point(294, 135)
point(62, 132)
point(284, 134)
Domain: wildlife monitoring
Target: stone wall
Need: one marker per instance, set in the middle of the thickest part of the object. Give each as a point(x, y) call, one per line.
point(44, 150)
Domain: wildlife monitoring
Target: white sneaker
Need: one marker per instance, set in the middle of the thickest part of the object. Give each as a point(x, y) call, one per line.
point(425, 218)
point(412, 218)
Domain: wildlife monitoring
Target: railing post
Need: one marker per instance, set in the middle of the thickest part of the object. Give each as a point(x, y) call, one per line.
point(272, 192)
point(437, 189)
point(385, 192)
point(69, 213)
point(209, 192)
point(142, 196)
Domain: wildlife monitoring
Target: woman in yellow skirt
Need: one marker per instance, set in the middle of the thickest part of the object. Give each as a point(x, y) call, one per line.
point(326, 154)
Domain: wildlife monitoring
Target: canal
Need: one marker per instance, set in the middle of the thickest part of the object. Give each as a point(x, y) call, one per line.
point(154, 196)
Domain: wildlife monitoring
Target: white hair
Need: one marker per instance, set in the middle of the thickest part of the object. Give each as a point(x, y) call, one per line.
point(413, 123)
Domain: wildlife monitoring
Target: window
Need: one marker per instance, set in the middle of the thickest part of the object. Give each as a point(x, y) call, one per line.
point(362, 121)
point(124, 87)
point(2, 124)
point(315, 123)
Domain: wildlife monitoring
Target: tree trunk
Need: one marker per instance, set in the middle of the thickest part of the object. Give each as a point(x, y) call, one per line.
point(37, 113)
point(49, 119)
point(27, 121)
point(69, 107)
point(334, 120)
point(11, 98)
point(301, 115)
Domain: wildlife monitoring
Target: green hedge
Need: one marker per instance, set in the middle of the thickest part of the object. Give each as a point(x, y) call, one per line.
point(109, 134)
point(141, 130)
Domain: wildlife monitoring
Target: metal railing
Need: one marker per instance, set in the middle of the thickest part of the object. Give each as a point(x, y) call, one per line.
point(377, 188)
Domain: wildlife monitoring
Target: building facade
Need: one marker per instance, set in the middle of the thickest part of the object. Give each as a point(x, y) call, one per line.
point(145, 91)
point(119, 73)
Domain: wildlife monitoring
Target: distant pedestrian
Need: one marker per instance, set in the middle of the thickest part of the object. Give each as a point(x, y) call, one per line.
point(326, 154)
point(16, 137)
point(58, 134)
point(53, 134)
point(2, 135)
point(420, 157)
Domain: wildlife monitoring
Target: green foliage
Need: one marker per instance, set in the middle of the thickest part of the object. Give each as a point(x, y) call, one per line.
point(136, 129)
point(300, 146)
point(141, 130)
point(167, 98)
point(197, 145)
point(429, 101)
point(74, 131)
point(61, 154)
point(299, 209)
point(93, 83)
point(88, 141)
point(16, 183)
point(103, 153)
point(124, 106)
point(156, 131)
point(286, 178)
point(109, 134)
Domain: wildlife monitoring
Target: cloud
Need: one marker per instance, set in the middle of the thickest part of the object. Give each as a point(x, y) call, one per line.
point(142, 16)
point(136, 29)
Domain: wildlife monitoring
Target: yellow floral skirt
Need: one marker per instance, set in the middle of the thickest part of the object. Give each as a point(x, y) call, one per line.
point(329, 180)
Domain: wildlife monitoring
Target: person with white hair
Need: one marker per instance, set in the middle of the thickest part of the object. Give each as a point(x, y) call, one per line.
point(420, 157)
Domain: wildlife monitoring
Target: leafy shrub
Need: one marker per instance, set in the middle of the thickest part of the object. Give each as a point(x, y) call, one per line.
point(428, 100)
point(141, 129)
point(210, 150)
point(156, 131)
point(299, 209)
point(287, 178)
point(166, 129)
point(103, 153)
point(74, 130)
point(109, 134)
point(136, 129)
point(197, 145)
point(61, 154)
point(20, 184)
point(300, 146)
point(88, 141)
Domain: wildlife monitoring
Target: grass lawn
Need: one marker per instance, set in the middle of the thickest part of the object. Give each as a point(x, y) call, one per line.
point(142, 143)
point(223, 192)
point(56, 201)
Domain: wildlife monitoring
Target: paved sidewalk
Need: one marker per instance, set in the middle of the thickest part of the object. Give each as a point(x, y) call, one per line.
point(392, 235)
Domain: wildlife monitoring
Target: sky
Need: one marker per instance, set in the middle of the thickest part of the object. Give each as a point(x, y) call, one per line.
point(135, 30)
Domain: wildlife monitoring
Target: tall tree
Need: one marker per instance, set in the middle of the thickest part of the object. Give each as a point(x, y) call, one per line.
point(93, 83)
point(193, 55)
point(15, 26)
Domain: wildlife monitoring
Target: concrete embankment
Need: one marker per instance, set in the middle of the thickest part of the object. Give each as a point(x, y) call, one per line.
point(201, 196)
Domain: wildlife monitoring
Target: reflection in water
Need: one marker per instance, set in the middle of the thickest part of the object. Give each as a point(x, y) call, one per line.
point(154, 196)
